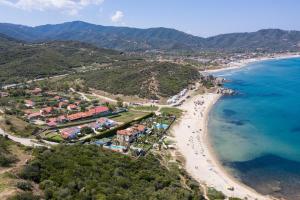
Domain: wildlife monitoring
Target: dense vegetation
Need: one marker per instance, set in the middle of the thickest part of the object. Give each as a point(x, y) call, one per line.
point(102, 69)
point(21, 61)
point(143, 79)
point(171, 111)
point(6, 157)
point(87, 172)
point(133, 39)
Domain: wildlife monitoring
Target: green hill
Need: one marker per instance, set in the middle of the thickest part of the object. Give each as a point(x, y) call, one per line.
point(22, 61)
point(144, 79)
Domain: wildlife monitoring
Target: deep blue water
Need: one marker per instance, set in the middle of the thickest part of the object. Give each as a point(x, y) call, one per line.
point(256, 134)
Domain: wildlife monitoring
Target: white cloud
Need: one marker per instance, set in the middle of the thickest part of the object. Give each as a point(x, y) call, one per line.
point(117, 17)
point(70, 6)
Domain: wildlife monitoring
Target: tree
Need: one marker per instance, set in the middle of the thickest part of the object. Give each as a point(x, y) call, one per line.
point(119, 102)
point(86, 130)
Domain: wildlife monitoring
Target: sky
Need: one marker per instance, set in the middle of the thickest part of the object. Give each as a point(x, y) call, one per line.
point(198, 17)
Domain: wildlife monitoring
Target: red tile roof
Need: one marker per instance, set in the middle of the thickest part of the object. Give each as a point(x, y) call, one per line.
point(127, 132)
point(89, 113)
point(102, 120)
point(37, 90)
point(52, 123)
point(52, 120)
point(72, 106)
point(67, 132)
point(47, 110)
point(132, 130)
point(36, 114)
point(139, 127)
point(75, 116)
point(61, 118)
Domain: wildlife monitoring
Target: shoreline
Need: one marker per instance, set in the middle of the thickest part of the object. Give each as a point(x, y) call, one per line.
point(206, 167)
point(200, 161)
point(245, 62)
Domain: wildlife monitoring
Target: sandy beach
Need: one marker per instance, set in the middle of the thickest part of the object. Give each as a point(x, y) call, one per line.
point(191, 136)
point(245, 62)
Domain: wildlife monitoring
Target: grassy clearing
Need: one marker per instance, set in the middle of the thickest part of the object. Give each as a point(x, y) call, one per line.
point(129, 116)
point(145, 108)
point(171, 111)
point(54, 137)
point(16, 126)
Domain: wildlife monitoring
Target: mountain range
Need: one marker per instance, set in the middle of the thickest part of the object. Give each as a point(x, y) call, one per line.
point(155, 39)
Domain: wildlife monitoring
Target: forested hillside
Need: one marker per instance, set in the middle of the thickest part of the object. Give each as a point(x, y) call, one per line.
point(21, 61)
point(88, 172)
point(156, 39)
point(144, 79)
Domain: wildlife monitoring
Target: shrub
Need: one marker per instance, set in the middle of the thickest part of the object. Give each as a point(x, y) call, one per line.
point(24, 185)
point(88, 172)
point(25, 196)
point(214, 194)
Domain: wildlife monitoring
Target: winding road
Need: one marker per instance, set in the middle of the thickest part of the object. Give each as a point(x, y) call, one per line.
point(27, 141)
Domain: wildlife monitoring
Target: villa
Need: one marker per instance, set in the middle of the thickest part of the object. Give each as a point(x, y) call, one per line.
point(71, 107)
point(105, 122)
point(29, 103)
point(70, 133)
point(95, 126)
point(128, 135)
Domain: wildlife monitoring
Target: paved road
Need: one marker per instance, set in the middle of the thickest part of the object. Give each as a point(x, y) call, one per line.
point(30, 81)
point(26, 141)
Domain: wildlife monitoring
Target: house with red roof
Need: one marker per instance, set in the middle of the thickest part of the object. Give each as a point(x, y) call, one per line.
point(33, 116)
point(61, 119)
point(52, 124)
point(105, 122)
point(100, 110)
point(29, 103)
point(95, 126)
point(128, 135)
point(36, 91)
point(57, 97)
point(75, 116)
point(71, 107)
point(46, 111)
point(70, 133)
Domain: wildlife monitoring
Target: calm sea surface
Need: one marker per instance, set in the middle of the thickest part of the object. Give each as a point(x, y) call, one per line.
point(256, 134)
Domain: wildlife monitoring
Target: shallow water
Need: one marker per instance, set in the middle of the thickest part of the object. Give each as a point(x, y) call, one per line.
point(256, 134)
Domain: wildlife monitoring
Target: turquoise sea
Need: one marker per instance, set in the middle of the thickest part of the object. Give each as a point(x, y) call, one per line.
point(256, 133)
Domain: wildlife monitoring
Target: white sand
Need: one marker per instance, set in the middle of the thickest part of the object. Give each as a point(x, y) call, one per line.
point(243, 63)
point(190, 134)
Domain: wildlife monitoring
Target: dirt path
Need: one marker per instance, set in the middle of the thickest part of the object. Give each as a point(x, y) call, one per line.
point(7, 182)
